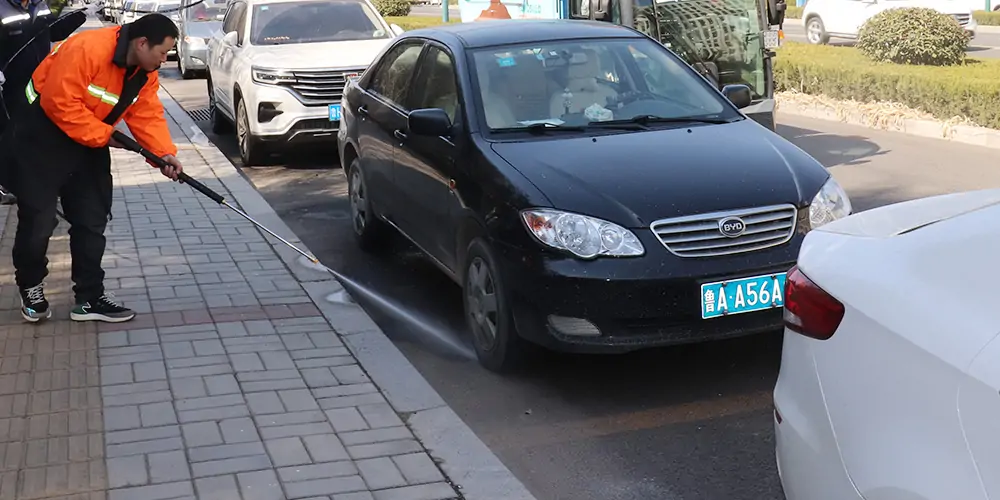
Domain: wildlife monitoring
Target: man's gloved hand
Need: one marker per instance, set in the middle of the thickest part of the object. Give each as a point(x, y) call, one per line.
point(173, 168)
point(3, 79)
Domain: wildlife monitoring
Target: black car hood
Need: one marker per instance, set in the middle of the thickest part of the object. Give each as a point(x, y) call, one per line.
point(635, 178)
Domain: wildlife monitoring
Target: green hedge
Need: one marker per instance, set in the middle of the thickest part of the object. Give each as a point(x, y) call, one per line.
point(987, 18)
point(793, 12)
point(410, 23)
point(969, 89)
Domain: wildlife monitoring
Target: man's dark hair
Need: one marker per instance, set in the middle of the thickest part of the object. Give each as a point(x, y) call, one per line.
point(155, 27)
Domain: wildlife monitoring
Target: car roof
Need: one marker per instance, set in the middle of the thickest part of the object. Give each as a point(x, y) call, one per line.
point(514, 31)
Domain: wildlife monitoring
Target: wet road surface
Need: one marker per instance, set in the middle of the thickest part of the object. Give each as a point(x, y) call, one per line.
point(687, 423)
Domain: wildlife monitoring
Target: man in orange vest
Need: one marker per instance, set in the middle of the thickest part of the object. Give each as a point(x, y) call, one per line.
point(60, 143)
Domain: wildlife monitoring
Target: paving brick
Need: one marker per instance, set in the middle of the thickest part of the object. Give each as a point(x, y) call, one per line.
point(300, 417)
point(318, 471)
point(202, 434)
point(352, 400)
point(231, 465)
point(263, 403)
point(375, 435)
point(127, 471)
point(188, 388)
point(157, 414)
point(117, 374)
point(308, 429)
point(144, 447)
point(165, 491)
point(325, 448)
point(168, 466)
point(287, 451)
point(345, 390)
point(380, 473)
point(217, 488)
point(319, 377)
point(298, 400)
point(435, 491)
point(346, 419)
point(380, 415)
point(246, 362)
point(123, 417)
point(132, 436)
point(277, 360)
point(383, 449)
point(326, 486)
point(151, 370)
point(222, 384)
point(238, 430)
point(418, 468)
point(351, 374)
point(261, 485)
point(218, 413)
point(359, 495)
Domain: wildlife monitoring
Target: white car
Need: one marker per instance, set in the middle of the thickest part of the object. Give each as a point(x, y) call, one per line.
point(890, 369)
point(825, 19)
point(277, 69)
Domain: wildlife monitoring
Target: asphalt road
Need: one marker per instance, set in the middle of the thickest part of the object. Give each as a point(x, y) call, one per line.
point(689, 423)
point(986, 45)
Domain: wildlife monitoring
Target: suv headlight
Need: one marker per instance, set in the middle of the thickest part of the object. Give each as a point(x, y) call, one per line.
point(271, 76)
point(829, 204)
point(583, 236)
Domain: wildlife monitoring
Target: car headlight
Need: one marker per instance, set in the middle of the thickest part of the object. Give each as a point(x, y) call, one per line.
point(195, 40)
point(829, 204)
point(583, 236)
point(271, 76)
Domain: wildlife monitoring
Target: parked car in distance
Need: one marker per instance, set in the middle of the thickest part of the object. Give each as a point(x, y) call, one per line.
point(277, 69)
point(197, 25)
point(584, 185)
point(888, 381)
point(825, 19)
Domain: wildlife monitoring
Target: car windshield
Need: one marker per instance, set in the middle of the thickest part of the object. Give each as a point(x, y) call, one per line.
point(581, 83)
point(314, 21)
point(145, 8)
point(169, 8)
point(204, 12)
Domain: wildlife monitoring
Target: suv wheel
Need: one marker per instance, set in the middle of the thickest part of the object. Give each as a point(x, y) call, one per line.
point(251, 150)
point(816, 31)
point(220, 124)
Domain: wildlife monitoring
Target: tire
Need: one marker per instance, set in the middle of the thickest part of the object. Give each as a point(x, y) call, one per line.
point(494, 336)
point(251, 150)
point(220, 124)
point(369, 230)
point(816, 32)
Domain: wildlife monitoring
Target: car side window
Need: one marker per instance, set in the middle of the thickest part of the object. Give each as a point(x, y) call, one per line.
point(392, 79)
point(241, 22)
point(441, 90)
point(232, 17)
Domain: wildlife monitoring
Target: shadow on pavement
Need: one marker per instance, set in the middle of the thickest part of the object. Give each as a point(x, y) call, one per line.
point(830, 149)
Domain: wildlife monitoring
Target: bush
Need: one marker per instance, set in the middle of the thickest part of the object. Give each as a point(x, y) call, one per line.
point(409, 23)
point(793, 12)
point(986, 18)
point(969, 89)
point(913, 36)
point(392, 7)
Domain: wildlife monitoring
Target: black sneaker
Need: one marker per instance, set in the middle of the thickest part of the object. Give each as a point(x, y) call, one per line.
point(34, 306)
point(103, 309)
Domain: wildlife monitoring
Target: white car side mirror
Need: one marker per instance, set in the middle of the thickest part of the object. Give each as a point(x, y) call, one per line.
point(230, 38)
point(396, 29)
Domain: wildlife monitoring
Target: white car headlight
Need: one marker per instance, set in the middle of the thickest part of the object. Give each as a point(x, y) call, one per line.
point(583, 236)
point(829, 204)
point(271, 76)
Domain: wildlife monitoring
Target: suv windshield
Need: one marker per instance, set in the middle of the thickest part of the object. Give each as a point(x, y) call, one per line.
point(314, 21)
point(168, 8)
point(585, 82)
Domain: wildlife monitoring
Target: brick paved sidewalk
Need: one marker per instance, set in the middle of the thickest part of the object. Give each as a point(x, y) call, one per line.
point(231, 384)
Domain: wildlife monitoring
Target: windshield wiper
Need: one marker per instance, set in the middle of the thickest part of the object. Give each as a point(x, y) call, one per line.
point(541, 128)
point(647, 119)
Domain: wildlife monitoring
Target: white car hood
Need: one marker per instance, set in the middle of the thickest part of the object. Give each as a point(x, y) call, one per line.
point(341, 54)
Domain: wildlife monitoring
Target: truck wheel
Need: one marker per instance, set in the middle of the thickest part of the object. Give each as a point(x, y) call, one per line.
point(487, 311)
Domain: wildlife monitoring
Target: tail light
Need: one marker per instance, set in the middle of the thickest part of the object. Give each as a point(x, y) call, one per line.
point(809, 310)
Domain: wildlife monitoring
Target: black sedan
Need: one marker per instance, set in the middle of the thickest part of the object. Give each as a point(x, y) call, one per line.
point(588, 190)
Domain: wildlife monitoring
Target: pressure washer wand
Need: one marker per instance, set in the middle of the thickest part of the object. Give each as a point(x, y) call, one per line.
point(132, 145)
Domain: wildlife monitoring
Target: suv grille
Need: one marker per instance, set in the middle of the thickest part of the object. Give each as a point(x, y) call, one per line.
point(963, 19)
point(321, 87)
point(700, 235)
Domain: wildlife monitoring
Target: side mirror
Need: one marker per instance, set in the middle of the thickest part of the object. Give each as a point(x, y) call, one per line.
point(231, 38)
point(430, 122)
point(776, 12)
point(396, 29)
point(738, 94)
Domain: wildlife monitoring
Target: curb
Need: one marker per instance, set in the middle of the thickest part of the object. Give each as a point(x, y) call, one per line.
point(934, 129)
point(466, 461)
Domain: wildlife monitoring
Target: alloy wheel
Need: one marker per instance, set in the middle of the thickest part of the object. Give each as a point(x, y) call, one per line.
point(359, 204)
point(480, 290)
point(242, 132)
point(814, 32)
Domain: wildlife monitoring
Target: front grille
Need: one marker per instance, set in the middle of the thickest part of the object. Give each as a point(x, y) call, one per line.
point(963, 19)
point(320, 87)
point(700, 235)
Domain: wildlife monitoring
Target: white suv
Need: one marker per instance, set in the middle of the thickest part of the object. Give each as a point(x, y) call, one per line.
point(277, 69)
point(825, 19)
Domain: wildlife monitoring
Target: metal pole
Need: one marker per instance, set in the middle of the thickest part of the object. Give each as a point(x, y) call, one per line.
point(444, 10)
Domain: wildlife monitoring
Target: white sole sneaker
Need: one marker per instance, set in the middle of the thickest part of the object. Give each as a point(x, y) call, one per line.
point(99, 317)
point(35, 319)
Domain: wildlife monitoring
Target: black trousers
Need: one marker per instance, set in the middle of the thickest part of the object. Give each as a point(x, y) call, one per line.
point(85, 195)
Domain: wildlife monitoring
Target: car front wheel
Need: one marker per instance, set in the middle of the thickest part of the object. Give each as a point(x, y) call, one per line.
point(487, 311)
point(220, 124)
point(816, 31)
point(251, 150)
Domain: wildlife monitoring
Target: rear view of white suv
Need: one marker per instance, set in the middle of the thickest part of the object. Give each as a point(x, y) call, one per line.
point(825, 19)
point(277, 69)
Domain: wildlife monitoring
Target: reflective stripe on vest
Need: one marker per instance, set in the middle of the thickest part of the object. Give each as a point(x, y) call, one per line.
point(29, 92)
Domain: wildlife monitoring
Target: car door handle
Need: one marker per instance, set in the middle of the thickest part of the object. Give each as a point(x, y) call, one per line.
point(363, 110)
point(400, 134)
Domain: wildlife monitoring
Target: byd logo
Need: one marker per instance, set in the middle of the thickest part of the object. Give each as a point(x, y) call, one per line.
point(732, 227)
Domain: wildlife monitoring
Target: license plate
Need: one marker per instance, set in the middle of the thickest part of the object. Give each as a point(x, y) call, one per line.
point(335, 112)
point(771, 39)
point(743, 295)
